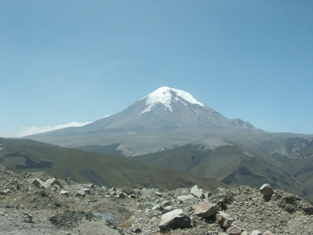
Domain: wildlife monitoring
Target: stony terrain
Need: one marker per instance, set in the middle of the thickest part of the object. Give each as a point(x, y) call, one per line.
point(36, 203)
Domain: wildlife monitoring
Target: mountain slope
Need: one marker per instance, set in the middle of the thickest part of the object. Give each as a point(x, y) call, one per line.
point(20, 155)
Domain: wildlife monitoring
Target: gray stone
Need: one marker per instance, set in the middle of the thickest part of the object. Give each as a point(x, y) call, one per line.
point(157, 207)
point(165, 203)
point(206, 209)
point(112, 189)
point(28, 218)
point(221, 190)
point(120, 194)
point(52, 181)
point(197, 192)
point(167, 209)
point(87, 190)
point(223, 219)
point(266, 190)
point(186, 198)
point(6, 191)
point(91, 185)
point(268, 233)
point(233, 230)
point(149, 205)
point(39, 183)
point(64, 193)
point(175, 219)
point(256, 232)
point(80, 193)
point(207, 194)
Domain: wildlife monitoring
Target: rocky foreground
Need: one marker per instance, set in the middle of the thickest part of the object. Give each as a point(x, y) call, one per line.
point(35, 203)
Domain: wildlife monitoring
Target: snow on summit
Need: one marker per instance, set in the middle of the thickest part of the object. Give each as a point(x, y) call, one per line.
point(163, 95)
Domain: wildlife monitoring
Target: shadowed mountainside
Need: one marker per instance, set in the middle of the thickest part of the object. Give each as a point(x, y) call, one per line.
point(81, 166)
point(230, 164)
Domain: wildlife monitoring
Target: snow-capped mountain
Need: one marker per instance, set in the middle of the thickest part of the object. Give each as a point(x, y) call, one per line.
point(163, 118)
point(167, 108)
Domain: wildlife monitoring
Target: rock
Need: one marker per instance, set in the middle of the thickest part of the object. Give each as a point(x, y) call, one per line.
point(256, 232)
point(64, 193)
point(80, 193)
point(268, 233)
point(4, 192)
point(167, 209)
point(136, 230)
point(54, 188)
point(28, 218)
point(175, 219)
point(39, 183)
point(120, 194)
point(206, 209)
point(87, 190)
point(149, 205)
point(158, 194)
point(186, 198)
point(223, 219)
point(207, 194)
point(157, 207)
point(221, 190)
point(52, 181)
point(266, 190)
point(233, 230)
point(111, 189)
point(91, 185)
point(244, 233)
point(197, 192)
point(165, 203)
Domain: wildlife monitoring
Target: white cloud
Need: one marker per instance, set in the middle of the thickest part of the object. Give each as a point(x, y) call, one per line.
point(36, 130)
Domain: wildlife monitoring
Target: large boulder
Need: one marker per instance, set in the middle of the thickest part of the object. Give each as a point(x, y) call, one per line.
point(266, 190)
point(206, 209)
point(175, 219)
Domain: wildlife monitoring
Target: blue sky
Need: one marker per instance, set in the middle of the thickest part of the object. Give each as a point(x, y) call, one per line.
point(77, 61)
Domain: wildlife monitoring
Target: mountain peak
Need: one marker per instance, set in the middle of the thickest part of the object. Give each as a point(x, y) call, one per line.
point(164, 95)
